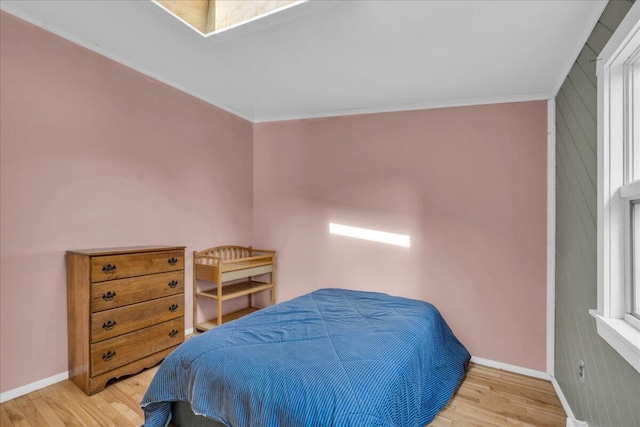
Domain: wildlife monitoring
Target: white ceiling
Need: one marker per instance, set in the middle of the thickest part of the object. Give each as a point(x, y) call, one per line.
point(328, 58)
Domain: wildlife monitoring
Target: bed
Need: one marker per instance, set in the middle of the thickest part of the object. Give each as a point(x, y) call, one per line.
point(332, 357)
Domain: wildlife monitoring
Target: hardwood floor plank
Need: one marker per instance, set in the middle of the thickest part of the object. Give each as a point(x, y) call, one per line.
point(512, 378)
point(15, 414)
point(5, 419)
point(99, 409)
point(55, 408)
point(488, 397)
point(47, 413)
point(441, 422)
point(135, 387)
point(73, 406)
point(124, 403)
point(109, 411)
point(491, 400)
point(512, 389)
point(29, 410)
point(135, 418)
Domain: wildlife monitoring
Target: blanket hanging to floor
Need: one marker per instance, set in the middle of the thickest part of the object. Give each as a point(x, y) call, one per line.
point(333, 357)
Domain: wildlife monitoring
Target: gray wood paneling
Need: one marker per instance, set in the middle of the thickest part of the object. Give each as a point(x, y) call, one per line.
point(587, 61)
point(610, 395)
point(586, 120)
point(600, 36)
point(586, 88)
point(612, 16)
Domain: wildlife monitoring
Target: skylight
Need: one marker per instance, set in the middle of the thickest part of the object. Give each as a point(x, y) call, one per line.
point(209, 17)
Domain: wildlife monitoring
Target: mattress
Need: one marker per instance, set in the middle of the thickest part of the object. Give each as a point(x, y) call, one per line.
point(332, 357)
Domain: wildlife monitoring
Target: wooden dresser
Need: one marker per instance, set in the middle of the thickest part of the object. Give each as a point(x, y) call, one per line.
point(125, 311)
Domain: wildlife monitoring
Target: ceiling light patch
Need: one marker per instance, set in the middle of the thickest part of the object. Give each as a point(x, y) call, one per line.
point(372, 235)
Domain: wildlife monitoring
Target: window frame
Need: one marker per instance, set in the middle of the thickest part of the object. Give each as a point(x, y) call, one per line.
point(615, 193)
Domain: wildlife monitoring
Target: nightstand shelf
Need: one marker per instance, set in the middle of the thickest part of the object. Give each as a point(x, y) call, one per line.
point(210, 324)
point(236, 290)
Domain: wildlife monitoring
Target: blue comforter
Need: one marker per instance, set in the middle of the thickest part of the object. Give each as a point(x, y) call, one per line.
point(333, 357)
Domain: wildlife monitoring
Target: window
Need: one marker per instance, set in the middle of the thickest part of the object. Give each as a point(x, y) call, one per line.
point(618, 313)
point(634, 288)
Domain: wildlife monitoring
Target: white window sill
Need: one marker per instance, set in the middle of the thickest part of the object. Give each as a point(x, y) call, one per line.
point(620, 335)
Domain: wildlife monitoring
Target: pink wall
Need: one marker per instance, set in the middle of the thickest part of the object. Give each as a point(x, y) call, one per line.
point(94, 154)
point(467, 184)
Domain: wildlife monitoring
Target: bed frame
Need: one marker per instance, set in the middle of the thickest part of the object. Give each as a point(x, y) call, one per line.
point(183, 416)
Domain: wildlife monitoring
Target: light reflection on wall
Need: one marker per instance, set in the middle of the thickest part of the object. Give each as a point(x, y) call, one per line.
point(373, 235)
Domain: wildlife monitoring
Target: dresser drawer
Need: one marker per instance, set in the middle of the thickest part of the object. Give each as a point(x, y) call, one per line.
point(118, 351)
point(120, 266)
point(111, 323)
point(116, 293)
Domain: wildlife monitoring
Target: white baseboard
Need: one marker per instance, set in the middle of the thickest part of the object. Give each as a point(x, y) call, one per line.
point(45, 382)
point(571, 418)
point(564, 401)
point(37, 385)
point(511, 368)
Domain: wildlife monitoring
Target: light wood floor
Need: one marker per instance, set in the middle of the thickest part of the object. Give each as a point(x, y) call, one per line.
point(492, 397)
point(487, 397)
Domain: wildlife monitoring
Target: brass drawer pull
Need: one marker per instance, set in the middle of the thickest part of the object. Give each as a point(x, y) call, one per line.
point(109, 325)
point(173, 307)
point(109, 296)
point(173, 261)
point(173, 333)
point(109, 268)
point(172, 284)
point(108, 355)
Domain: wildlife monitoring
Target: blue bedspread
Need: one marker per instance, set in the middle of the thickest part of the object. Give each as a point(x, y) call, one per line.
point(333, 357)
